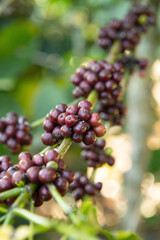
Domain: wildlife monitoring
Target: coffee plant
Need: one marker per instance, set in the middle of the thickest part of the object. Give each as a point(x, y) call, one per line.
point(98, 105)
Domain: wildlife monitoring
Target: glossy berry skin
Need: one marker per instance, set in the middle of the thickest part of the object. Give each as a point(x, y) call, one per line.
point(18, 177)
point(61, 107)
point(25, 155)
point(53, 114)
point(80, 127)
point(61, 183)
point(77, 138)
point(71, 120)
point(56, 133)
point(73, 109)
point(100, 130)
point(51, 155)
point(84, 114)
point(66, 131)
point(78, 193)
point(44, 193)
point(12, 170)
point(47, 175)
point(94, 119)
point(33, 174)
point(38, 160)
point(5, 184)
point(61, 118)
point(48, 139)
point(89, 137)
point(85, 104)
point(48, 125)
point(24, 164)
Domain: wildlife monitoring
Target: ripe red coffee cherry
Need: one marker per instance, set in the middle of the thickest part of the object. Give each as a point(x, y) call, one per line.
point(71, 120)
point(10, 130)
point(24, 155)
point(33, 174)
point(38, 159)
point(24, 164)
point(56, 133)
point(5, 184)
point(73, 109)
point(98, 186)
point(44, 193)
point(66, 131)
point(84, 113)
point(94, 119)
point(61, 118)
point(47, 175)
point(53, 114)
point(12, 170)
point(69, 175)
point(85, 104)
point(18, 177)
point(61, 184)
point(51, 155)
point(48, 139)
point(61, 107)
point(80, 127)
point(89, 137)
point(48, 125)
point(77, 137)
point(100, 130)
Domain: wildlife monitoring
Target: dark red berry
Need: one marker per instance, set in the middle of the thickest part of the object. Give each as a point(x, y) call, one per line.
point(44, 193)
point(89, 137)
point(47, 175)
point(24, 155)
point(53, 114)
point(33, 174)
point(100, 130)
point(38, 160)
point(66, 131)
point(48, 139)
point(51, 155)
point(84, 113)
point(24, 164)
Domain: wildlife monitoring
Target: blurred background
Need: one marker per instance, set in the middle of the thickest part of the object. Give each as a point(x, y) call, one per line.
point(42, 42)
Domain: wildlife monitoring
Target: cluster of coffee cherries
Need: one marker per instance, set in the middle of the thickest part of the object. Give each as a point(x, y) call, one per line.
point(129, 30)
point(130, 63)
point(81, 186)
point(101, 76)
point(38, 169)
point(14, 132)
point(96, 155)
point(113, 113)
point(76, 121)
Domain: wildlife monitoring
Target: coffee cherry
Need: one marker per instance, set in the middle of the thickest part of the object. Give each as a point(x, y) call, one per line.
point(80, 127)
point(48, 125)
point(94, 120)
point(25, 155)
point(47, 175)
point(37, 200)
point(48, 139)
point(73, 109)
point(38, 160)
point(14, 132)
point(56, 133)
point(84, 114)
point(61, 183)
point(18, 177)
point(83, 180)
point(44, 193)
point(78, 193)
point(12, 170)
point(33, 174)
point(61, 164)
point(69, 175)
point(53, 114)
point(89, 189)
point(77, 137)
point(66, 131)
point(98, 186)
point(5, 184)
point(85, 104)
point(71, 120)
point(61, 107)
point(61, 118)
point(24, 164)
point(89, 137)
point(100, 130)
point(51, 155)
